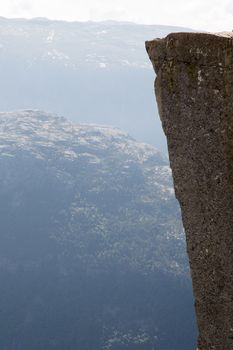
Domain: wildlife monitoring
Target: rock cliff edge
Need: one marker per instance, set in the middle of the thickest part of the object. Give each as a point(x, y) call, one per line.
point(194, 91)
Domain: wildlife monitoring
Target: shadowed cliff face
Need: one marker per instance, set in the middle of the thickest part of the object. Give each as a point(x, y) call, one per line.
point(194, 91)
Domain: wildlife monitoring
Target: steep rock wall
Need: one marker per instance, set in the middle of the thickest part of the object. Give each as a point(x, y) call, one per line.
point(194, 91)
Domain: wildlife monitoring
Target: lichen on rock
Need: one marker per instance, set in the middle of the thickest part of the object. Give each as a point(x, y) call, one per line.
point(194, 91)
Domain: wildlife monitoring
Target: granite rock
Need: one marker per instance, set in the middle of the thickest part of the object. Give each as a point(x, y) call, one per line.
point(194, 91)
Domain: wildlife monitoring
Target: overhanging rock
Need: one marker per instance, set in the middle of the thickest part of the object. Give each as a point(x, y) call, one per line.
point(194, 91)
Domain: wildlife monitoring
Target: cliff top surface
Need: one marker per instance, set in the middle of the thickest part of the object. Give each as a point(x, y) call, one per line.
point(212, 49)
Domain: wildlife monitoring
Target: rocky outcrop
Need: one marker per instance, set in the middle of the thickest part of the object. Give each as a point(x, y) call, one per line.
point(194, 90)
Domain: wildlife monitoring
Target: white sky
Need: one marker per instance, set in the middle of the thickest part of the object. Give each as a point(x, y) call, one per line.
point(213, 15)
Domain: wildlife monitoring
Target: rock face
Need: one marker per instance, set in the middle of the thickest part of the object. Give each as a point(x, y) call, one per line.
point(194, 90)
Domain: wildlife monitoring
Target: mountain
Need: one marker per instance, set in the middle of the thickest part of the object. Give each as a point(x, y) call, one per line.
point(91, 72)
point(92, 251)
point(104, 45)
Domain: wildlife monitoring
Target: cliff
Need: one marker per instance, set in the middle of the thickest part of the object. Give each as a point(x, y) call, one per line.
point(194, 91)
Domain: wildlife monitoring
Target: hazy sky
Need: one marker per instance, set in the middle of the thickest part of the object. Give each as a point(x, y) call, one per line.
point(198, 14)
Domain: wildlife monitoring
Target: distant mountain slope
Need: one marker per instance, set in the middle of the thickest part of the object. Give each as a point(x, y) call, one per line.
point(75, 45)
point(92, 252)
point(90, 72)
